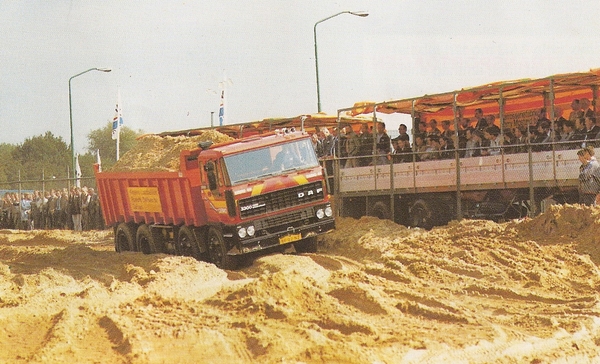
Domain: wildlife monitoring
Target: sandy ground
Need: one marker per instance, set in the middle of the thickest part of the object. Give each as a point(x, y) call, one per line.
point(470, 292)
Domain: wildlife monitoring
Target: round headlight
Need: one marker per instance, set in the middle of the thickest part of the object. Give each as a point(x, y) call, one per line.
point(328, 211)
point(242, 233)
point(320, 214)
point(250, 230)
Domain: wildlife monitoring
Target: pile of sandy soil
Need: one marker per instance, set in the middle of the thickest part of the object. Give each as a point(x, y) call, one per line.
point(155, 153)
point(376, 292)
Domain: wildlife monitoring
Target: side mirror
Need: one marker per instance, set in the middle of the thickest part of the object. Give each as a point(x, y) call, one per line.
point(209, 167)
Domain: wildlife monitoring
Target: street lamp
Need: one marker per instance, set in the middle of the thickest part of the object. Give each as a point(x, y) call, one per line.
point(71, 110)
point(357, 13)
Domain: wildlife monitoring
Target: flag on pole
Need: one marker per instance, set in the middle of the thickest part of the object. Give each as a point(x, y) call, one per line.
point(98, 160)
point(118, 119)
point(222, 108)
point(77, 172)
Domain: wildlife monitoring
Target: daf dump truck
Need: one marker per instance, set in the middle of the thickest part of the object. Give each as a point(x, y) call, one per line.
point(224, 201)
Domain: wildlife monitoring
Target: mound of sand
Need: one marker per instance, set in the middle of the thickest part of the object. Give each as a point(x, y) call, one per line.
point(154, 153)
point(470, 292)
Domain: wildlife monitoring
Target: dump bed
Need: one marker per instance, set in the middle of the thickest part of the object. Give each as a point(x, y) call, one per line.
point(151, 197)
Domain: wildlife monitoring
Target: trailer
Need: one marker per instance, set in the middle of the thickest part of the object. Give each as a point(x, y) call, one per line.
point(516, 181)
point(224, 201)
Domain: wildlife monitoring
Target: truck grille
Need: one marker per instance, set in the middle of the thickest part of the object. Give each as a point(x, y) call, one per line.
point(278, 200)
point(285, 219)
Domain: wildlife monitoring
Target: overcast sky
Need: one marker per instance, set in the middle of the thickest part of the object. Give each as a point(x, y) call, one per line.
point(166, 55)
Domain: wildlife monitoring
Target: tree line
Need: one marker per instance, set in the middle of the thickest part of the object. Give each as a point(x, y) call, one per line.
point(48, 157)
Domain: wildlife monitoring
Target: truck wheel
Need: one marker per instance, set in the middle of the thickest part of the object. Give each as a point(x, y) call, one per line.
point(308, 245)
point(145, 240)
point(124, 240)
point(186, 243)
point(217, 252)
point(421, 215)
point(380, 210)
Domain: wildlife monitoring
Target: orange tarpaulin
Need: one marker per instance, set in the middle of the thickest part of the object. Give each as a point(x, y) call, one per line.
point(518, 95)
point(309, 121)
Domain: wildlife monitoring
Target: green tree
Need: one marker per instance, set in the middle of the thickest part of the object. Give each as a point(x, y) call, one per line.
point(101, 139)
point(7, 163)
point(39, 156)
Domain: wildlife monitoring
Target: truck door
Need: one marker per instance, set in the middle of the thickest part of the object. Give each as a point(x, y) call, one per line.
point(213, 187)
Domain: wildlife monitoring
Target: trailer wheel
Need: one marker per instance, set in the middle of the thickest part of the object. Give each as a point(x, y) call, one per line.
point(380, 210)
point(145, 240)
point(421, 215)
point(186, 243)
point(308, 245)
point(217, 251)
point(124, 240)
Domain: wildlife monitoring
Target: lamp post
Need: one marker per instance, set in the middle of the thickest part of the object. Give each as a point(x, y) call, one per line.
point(71, 111)
point(356, 13)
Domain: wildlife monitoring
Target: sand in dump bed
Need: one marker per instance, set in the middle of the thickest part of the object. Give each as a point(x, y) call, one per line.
point(154, 153)
point(469, 292)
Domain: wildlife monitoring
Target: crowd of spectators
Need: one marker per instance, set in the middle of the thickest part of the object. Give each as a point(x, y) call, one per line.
point(77, 209)
point(477, 136)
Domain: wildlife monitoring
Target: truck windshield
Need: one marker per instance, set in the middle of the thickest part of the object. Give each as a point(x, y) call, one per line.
point(270, 161)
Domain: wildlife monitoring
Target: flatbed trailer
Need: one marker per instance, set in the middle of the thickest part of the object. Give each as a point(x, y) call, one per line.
point(503, 186)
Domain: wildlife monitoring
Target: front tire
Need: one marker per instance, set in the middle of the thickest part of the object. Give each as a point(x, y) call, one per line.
point(217, 251)
point(308, 245)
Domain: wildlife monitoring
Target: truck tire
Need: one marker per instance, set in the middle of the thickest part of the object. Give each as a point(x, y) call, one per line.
point(145, 240)
point(187, 245)
point(308, 245)
point(124, 240)
point(217, 251)
point(421, 215)
point(380, 210)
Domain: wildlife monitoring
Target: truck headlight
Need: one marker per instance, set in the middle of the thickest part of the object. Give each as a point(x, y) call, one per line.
point(242, 233)
point(320, 214)
point(250, 230)
point(328, 211)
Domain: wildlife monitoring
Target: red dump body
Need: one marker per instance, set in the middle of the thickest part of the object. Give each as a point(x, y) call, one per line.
point(152, 197)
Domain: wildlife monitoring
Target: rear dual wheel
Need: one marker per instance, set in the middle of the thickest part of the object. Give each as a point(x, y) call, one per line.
point(148, 242)
point(187, 244)
point(124, 237)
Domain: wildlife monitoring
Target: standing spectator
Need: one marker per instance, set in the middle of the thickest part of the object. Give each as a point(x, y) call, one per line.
point(433, 129)
point(589, 185)
point(473, 143)
point(585, 108)
point(352, 147)
point(575, 110)
point(492, 134)
point(403, 130)
point(366, 144)
point(94, 210)
point(446, 132)
point(402, 150)
point(482, 122)
point(75, 208)
point(317, 145)
point(383, 143)
point(591, 130)
point(85, 213)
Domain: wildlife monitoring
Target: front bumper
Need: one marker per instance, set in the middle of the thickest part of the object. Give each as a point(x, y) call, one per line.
point(285, 236)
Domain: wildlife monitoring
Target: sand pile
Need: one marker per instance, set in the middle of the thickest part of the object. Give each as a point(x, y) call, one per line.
point(470, 292)
point(156, 153)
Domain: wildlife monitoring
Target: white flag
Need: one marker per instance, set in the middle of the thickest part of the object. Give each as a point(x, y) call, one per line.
point(98, 160)
point(77, 172)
